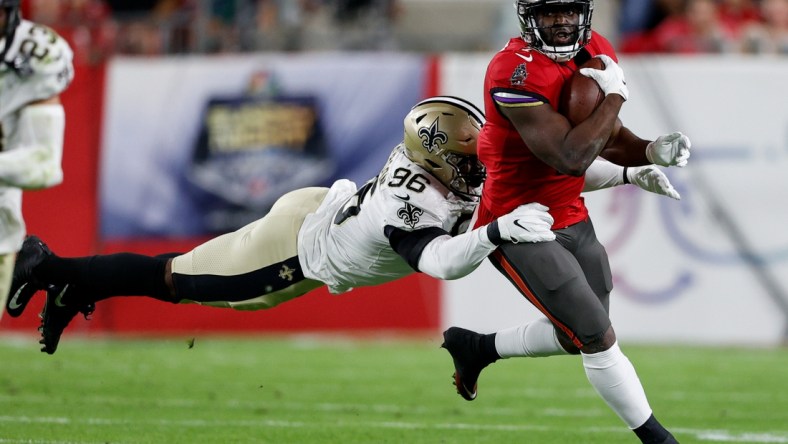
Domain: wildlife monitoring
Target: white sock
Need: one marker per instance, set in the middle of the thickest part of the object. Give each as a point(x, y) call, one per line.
point(535, 339)
point(616, 381)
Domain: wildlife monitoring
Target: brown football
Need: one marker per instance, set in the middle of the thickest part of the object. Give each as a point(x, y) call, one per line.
point(580, 94)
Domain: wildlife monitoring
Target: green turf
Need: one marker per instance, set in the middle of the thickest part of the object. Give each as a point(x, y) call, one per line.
point(309, 390)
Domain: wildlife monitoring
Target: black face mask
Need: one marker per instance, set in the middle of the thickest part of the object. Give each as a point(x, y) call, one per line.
point(572, 25)
point(471, 171)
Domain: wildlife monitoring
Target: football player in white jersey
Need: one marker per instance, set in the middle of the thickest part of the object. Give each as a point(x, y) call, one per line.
point(35, 67)
point(408, 218)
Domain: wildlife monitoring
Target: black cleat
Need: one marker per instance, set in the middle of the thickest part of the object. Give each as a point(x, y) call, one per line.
point(24, 285)
point(465, 349)
point(56, 316)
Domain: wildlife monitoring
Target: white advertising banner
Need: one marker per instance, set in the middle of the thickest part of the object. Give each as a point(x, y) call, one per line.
point(709, 269)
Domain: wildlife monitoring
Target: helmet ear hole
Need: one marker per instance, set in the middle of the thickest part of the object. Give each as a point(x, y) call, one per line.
point(431, 163)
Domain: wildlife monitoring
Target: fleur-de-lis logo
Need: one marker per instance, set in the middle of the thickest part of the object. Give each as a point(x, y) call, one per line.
point(410, 214)
point(432, 136)
point(286, 273)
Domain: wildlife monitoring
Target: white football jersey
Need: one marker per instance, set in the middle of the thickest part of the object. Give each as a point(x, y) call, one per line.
point(44, 69)
point(343, 243)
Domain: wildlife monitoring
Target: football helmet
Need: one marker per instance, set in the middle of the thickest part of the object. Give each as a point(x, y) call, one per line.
point(533, 33)
point(440, 136)
point(12, 21)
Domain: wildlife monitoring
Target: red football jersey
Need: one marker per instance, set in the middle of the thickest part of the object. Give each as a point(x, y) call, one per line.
point(520, 76)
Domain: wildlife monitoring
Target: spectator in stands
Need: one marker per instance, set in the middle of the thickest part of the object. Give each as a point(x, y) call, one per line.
point(152, 27)
point(739, 13)
point(771, 35)
point(85, 24)
point(637, 20)
point(698, 29)
point(278, 25)
point(366, 24)
point(639, 16)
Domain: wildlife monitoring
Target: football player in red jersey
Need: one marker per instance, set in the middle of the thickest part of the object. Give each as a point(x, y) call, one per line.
point(532, 153)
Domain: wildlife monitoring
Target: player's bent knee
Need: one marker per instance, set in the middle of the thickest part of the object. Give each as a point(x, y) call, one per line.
point(567, 343)
point(601, 343)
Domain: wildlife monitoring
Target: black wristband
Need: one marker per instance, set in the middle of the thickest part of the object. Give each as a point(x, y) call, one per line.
point(493, 233)
point(626, 178)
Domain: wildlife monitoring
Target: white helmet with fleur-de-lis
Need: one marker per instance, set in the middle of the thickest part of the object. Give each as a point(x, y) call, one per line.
point(440, 136)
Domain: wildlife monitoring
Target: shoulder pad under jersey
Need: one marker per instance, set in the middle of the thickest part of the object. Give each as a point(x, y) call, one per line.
point(40, 55)
point(413, 198)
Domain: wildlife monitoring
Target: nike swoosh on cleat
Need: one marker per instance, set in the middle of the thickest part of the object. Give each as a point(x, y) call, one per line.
point(468, 395)
point(471, 394)
point(517, 222)
point(58, 299)
point(13, 304)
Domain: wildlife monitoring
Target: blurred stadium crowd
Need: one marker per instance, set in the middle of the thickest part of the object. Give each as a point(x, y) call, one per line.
point(100, 28)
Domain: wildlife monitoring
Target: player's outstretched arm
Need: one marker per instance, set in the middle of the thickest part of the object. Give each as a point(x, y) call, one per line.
point(603, 174)
point(435, 252)
point(625, 148)
point(34, 161)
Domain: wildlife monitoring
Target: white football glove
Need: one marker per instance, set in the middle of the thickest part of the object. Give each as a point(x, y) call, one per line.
point(611, 79)
point(527, 223)
point(669, 150)
point(650, 178)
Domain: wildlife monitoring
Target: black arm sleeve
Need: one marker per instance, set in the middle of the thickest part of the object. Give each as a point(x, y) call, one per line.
point(410, 244)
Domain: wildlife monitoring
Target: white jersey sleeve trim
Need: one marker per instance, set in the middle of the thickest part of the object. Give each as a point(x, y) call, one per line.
point(33, 159)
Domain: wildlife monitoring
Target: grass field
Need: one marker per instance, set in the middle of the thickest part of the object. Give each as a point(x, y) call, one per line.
point(311, 390)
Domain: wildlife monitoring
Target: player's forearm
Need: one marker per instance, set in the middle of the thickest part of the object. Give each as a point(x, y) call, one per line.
point(603, 174)
point(447, 257)
point(584, 142)
point(35, 160)
point(626, 149)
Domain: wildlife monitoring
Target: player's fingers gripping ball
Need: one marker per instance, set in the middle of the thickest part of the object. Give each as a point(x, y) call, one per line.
point(611, 79)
